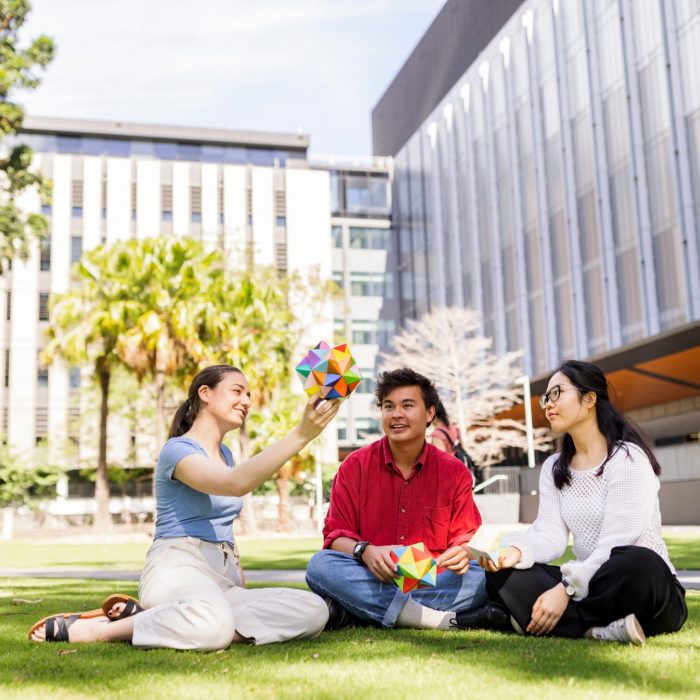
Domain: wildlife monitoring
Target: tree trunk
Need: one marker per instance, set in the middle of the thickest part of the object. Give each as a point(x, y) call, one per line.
point(283, 489)
point(103, 520)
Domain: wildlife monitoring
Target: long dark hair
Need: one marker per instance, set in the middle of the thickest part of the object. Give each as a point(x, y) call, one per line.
point(441, 413)
point(185, 415)
point(616, 429)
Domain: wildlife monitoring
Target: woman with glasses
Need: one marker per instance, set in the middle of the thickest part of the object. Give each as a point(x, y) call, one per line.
point(602, 488)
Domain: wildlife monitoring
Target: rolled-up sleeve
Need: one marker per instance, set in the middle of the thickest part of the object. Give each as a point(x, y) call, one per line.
point(343, 518)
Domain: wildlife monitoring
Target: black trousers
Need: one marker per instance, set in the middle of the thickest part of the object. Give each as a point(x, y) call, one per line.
point(634, 580)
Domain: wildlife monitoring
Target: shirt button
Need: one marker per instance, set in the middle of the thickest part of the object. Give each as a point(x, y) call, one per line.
point(405, 483)
point(402, 537)
point(403, 510)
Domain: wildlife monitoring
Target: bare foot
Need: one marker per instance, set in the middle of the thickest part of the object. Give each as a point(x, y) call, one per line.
point(85, 630)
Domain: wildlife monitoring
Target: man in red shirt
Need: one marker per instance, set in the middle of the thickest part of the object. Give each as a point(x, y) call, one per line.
point(398, 491)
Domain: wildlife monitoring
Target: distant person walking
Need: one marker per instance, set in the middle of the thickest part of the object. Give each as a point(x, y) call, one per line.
point(446, 437)
point(191, 586)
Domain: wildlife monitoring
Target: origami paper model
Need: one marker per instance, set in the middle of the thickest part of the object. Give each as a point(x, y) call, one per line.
point(416, 567)
point(490, 550)
point(330, 371)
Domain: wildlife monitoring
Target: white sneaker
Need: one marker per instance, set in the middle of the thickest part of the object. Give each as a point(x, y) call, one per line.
point(516, 627)
point(626, 630)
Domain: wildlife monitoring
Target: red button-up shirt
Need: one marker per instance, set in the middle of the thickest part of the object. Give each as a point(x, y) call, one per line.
point(371, 500)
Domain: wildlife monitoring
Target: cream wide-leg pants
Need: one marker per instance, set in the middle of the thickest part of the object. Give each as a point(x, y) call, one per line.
point(193, 599)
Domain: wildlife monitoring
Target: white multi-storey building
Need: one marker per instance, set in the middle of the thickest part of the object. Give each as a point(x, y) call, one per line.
point(114, 181)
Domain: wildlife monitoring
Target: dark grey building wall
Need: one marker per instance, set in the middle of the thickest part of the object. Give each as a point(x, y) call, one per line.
point(447, 49)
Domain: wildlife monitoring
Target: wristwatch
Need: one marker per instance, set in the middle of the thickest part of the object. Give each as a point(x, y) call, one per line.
point(359, 550)
point(570, 590)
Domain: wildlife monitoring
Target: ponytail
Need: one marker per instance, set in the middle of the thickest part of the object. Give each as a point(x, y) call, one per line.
point(187, 412)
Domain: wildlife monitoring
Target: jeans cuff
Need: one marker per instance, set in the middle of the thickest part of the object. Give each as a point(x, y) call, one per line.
point(395, 607)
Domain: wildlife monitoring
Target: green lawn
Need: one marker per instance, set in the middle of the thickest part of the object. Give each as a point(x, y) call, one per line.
point(262, 553)
point(270, 553)
point(365, 663)
point(684, 552)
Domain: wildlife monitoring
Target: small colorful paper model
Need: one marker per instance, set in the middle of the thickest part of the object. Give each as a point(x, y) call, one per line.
point(416, 566)
point(330, 371)
point(488, 550)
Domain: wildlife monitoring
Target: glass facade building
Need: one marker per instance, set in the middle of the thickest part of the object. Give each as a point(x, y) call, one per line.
point(361, 241)
point(556, 187)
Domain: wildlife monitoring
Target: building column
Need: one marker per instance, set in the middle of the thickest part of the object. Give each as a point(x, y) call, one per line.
point(58, 394)
point(549, 307)
point(570, 205)
point(499, 316)
point(519, 229)
point(473, 229)
point(638, 170)
point(683, 189)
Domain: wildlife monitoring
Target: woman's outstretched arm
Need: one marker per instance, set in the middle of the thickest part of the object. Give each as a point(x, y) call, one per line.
point(208, 476)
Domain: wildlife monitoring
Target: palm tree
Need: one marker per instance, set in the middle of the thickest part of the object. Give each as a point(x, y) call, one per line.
point(179, 312)
point(142, 305)
point(85, 326)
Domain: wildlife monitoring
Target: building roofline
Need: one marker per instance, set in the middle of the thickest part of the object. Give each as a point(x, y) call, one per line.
point(164, 132)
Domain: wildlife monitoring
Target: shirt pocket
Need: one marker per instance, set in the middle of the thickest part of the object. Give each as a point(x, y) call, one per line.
point(436, 528)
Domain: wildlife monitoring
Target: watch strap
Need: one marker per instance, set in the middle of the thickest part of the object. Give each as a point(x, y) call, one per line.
point(359, 550)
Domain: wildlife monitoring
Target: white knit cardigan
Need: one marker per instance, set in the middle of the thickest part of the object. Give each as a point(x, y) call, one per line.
point(620, 507)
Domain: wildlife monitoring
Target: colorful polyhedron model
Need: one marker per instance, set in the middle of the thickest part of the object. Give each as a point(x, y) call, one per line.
point(416, 566)
point(332, 372)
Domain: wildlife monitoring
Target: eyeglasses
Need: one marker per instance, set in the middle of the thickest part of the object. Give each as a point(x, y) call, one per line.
point(553, 394)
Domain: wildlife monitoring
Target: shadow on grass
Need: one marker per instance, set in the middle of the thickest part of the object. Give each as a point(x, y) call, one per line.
point(365, 662)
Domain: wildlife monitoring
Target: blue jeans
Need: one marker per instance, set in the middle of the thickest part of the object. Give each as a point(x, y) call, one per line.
point(339, 576)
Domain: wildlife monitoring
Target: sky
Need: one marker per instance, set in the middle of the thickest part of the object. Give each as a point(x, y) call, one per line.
point(314, 66)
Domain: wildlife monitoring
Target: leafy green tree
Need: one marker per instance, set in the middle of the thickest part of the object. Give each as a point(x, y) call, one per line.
point(20, 482)
point(265, 344)
point(19, 68)
point(142, 305)
point(178, 314)
point(85, 325)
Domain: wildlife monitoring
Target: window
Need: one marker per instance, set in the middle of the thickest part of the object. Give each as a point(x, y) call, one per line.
point(46, 209)
point(8, 310)
point(364, 427)
point(374, 238)
point(196, 217)
point(368, 384)
point(43, 306)
point(364, 284)
point(77, 212)
point(76, 248)
point(42, 376)
point(45, 254)
point(281, 220)
point(337, 236)
point(74, 377)
point(7, 367)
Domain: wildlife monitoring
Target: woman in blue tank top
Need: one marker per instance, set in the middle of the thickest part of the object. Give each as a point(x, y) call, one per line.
point(191, 587)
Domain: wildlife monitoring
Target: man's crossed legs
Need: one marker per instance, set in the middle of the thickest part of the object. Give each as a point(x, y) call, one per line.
point(339, 576)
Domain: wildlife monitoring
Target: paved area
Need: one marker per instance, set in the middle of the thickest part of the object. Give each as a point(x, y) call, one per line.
point(267, 576)
point(689, 579)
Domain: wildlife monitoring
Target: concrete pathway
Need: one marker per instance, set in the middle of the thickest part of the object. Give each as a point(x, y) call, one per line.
point(689, 579)
point(265, 576)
